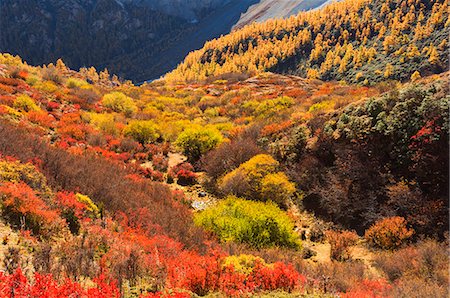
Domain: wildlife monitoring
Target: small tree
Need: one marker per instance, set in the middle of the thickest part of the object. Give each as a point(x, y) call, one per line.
point(142, 131)
point(388, 233)
point(194, 142)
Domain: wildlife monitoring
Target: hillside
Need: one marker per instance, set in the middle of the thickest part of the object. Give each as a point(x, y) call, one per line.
point(90, 189)
point(128, 37)
point(136, 40)
point(305, 157)
point(358, 41)
point(276, 9)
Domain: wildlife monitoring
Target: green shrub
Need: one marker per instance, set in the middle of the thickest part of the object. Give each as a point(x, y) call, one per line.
point(257, 224)
point(120, 103)
point(142, 131)
point(76, 83)
point(194, 142)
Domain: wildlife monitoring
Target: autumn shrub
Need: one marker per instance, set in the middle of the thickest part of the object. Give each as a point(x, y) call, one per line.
point(369, 288)
point(340, 242)
point(194, 142)
point(273, 107)
point(14, 171)
point(75, 83)
point(25, 103)
point(388, 233)
point(120, 103)
point(243, 263)
point(23, 207)
point(18, 285)
point(257, 224)
point(106, 183)
point(259, 179)
point(184, 173)
point(104, 122)
point(426, 260)
point(160, 162)
point(142, 131)
point(87, 97)
point(51, 74)
point(41, 118)
point(228, 156)
point(417, 287)
point(336, 276)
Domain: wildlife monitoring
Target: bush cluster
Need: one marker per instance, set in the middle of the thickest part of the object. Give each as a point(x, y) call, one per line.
point(257, 224)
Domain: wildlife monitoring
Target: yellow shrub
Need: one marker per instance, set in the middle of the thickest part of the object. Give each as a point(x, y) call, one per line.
point(90, 206)
point(25, 103)
point(243, 263)
point(120, 103)
point(258, 179)
point(47, 86)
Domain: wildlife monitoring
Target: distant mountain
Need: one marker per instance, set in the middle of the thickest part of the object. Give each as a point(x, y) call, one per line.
point(269, 9)
point(136, 39)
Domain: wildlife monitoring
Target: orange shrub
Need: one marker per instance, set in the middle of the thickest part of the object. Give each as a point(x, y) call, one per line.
point(388, 233)
point(6, 89)
point(23, 207)
point(340, 242)
point(41, 118)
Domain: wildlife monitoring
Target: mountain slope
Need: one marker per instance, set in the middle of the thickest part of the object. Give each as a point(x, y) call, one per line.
point(135, 39)
point(127, 36)
point(269, 9)
point(354, 40)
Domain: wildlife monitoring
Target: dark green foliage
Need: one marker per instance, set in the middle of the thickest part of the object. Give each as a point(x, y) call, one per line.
point(366, 149)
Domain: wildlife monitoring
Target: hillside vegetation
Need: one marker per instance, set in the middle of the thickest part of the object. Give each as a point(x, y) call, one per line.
point(89, 191)
point(358, 41)
point(243, 183)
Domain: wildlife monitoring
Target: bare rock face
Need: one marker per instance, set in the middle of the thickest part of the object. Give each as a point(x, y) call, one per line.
point(270, 9)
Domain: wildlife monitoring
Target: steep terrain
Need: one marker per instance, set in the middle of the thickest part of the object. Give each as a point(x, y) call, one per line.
point(270, 9)
point(130, 38)
point(135, 39)
point(359, 41)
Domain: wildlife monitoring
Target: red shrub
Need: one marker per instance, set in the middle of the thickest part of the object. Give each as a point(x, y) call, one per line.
point(21, 203)
point(199, 274)
point(159, 162)
point(369, 289)
point(7, 100)
point(9, 81)
point(52, 105)
point(184, 172)
point(5, 89)
point(68, 200)
point(44, 286)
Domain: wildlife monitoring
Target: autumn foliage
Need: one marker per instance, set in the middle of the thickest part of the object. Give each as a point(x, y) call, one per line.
point(389, 233)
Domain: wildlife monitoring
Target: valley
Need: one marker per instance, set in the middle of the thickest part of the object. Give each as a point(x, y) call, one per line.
point(298, 157)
